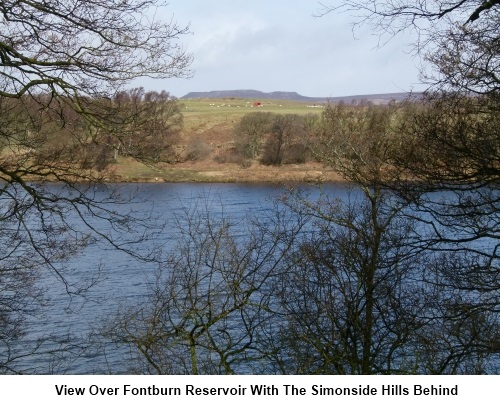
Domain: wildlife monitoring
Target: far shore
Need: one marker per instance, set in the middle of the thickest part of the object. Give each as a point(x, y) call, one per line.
point(209, 172)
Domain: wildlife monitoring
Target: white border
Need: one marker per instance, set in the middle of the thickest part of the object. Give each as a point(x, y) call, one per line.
point(42, 389)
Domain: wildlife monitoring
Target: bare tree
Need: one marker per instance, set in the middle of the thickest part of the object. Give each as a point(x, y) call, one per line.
point(75, 47)
point(60, 64)
point(449, 152)
point(363, 297)
point(147, 124)
point(210, 308)
point(250, 132)
point(352, 300)
point(394, 16)
point(359, 142)
point(458, 39)
point(386, 284)
point(450, 139)
point(285, 129)
point(70, 56)
point(466, 57)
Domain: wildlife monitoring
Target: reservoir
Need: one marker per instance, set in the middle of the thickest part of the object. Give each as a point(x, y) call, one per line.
point(160, 258)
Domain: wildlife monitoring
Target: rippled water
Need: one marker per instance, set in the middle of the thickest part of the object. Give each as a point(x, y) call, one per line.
point(122, 280)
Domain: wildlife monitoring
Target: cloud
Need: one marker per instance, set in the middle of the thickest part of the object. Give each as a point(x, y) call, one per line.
point(280, 46)
point(233, 43)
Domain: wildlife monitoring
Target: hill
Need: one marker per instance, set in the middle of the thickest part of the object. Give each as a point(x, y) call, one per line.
point(292, 95)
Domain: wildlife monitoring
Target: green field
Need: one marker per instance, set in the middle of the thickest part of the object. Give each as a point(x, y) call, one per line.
point(227, 108)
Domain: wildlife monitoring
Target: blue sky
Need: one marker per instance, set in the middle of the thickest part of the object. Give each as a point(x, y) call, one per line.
point(280, 45)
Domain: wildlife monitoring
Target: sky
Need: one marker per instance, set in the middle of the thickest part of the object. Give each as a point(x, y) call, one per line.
point(280, 45)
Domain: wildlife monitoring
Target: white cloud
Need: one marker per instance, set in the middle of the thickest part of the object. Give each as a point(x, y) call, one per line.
point(279, 46)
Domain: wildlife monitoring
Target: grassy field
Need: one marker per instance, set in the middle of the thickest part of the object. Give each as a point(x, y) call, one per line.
point(203, 114)
point(209, 123)
point(214, 119)
point(236, 107)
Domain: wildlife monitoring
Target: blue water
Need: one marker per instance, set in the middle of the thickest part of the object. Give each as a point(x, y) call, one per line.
point(117, 279)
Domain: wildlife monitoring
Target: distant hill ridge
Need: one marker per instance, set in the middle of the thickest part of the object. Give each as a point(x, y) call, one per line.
point(292, 95)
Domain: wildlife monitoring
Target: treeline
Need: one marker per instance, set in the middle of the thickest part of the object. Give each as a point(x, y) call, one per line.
point(87, 133)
